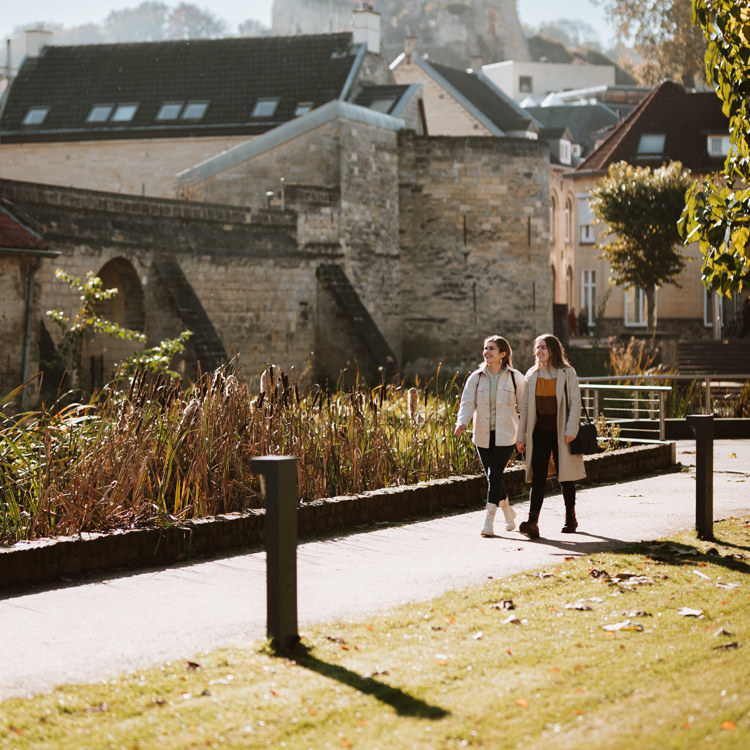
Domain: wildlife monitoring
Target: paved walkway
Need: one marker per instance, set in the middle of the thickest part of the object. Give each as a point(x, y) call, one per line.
point(95, 630)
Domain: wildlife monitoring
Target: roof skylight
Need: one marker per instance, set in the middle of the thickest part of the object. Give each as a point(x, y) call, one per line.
point(265, 107)
point(35, 116)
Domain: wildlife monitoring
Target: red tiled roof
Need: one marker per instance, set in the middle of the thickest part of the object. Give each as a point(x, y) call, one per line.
point(15, 236)
point(685, 118)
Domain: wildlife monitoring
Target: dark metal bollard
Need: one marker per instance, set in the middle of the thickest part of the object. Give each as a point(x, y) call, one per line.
point(280, 473)
point(703, 427)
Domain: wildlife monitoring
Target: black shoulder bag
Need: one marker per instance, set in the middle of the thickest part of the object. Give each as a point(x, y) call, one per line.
point(586, 439)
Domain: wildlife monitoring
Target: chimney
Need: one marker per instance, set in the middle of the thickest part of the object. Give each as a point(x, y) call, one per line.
point(36, 40)
point(476, 63)
point(410, 47)
point(367, 28)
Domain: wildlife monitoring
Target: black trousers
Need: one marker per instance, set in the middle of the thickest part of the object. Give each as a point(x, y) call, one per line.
point(494, 460)
point(545, 444)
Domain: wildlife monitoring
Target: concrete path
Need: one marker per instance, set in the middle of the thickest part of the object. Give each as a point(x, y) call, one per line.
point(92, 631)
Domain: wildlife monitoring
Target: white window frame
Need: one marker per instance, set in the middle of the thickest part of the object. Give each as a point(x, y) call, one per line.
point(169, 111)
point(636, 310)
point(588, 293)
point(124, 112)
point(568, 216)
point(718, 145)
point(265, 106)
point(651, 144)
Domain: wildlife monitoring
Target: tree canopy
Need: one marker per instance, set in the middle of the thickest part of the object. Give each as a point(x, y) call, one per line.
point(640, 208)
point(717, 212)
point(663, 34)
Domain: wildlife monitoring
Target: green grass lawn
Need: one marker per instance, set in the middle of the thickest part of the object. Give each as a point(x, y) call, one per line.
point(644, 648)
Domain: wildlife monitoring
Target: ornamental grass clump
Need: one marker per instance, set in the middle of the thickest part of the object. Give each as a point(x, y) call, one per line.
point(157, 454)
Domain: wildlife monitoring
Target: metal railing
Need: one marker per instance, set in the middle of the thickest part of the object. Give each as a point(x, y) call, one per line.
point(640, 408)
point(732, 381)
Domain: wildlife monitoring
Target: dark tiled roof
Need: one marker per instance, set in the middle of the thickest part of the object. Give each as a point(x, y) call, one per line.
point(230, 74)
point(486, 97)
point(15, 236)
point(685, 118)
point(583, 120)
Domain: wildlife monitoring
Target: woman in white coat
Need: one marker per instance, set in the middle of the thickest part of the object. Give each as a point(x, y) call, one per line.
point(550, 415)
point(491, 397)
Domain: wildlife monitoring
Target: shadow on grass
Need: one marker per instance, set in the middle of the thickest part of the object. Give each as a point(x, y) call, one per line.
point(403, 703)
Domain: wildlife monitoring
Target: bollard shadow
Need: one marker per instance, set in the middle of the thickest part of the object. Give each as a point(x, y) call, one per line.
point(401, 702)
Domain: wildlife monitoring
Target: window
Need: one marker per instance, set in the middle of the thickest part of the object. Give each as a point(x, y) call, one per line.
point(569, 287)
point(169, 111)
point(718, 145)
point(651, 144)
point(525, 84)
point(712, 310)
point(384, 105)
point(588, 294)
point(565, 152)
point(100, 113)
point(194, 110)
point(35, 116)
point(568, 220)
point(124, 112)
point(586, 232)
point(636, 313)
point(302, 108)
point(552, 218)
point(265, 107)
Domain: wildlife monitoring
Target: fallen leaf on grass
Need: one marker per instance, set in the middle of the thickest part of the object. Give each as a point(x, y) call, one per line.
point(637, 613)
point(701, 575)
point(478, 636)
point(688, 612)
point(624, 625)
point(722, 585)
point(512, 620)
point(377, 672)
point(722, 631)
point(522, 702)
point(727, 646)
point(542, 574)
point(728, 725)
point(505, 604)
point(579, 605)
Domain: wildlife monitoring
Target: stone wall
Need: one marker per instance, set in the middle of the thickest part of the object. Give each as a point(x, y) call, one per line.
point(474, 218)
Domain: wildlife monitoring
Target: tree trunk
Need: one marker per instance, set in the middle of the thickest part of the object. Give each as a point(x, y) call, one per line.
point(651, 307)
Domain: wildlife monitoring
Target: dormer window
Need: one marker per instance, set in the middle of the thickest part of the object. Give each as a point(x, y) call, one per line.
point(169, 111)
point(302, 108)
point(718, 145)
point(194, 110)
point(35, 116)
point(100, 113)
point(124, 112)
point(384, 104)
point(651, 144)
point(565, 152)
point(265, 107)
point(525, 84)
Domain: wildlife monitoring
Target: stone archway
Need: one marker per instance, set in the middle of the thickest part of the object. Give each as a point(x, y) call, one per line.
point(101, 353)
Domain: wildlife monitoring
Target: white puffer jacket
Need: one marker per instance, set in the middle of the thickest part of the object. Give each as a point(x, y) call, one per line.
point(475, 403)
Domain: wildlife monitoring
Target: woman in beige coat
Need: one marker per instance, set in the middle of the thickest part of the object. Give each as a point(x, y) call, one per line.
point(549, 423)
point(491, 398)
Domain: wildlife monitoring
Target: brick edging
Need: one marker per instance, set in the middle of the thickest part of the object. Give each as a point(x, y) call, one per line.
point(28, 563)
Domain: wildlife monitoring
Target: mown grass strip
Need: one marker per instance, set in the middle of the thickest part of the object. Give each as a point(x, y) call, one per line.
point(640, 648)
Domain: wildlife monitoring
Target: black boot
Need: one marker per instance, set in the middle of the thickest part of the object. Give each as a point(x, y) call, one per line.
point(530, 528)
point(571, 523)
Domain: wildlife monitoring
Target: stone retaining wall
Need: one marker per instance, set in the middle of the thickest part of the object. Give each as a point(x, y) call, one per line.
point(28, 563)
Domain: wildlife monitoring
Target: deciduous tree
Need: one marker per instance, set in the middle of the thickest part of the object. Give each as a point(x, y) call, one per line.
point(717, 213)
point(664, 36)
point(640, 208)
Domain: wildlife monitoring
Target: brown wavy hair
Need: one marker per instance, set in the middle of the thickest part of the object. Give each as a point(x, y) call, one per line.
point(503, 346)
point(556, 351)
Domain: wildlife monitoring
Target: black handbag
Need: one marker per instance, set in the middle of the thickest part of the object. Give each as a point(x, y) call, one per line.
point(586, 440)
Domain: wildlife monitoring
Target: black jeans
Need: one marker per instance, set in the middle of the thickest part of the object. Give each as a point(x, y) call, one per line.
point(545, 443)
point(494, 460)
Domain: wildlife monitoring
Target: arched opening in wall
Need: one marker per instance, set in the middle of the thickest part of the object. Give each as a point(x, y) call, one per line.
point(101, 353)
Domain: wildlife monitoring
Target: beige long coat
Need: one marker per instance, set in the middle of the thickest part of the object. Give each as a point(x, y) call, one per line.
point(571, 465)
